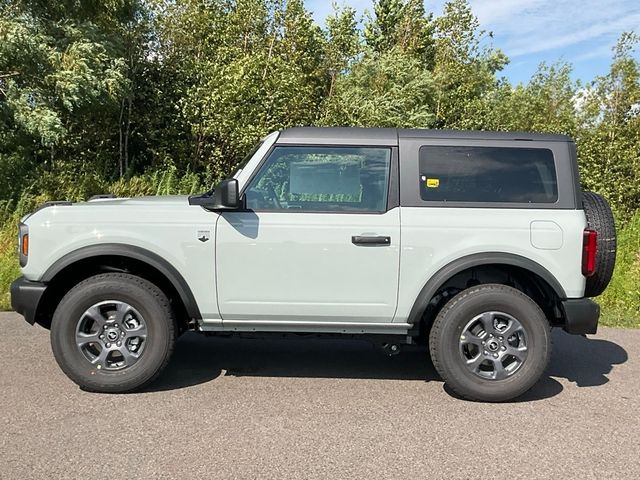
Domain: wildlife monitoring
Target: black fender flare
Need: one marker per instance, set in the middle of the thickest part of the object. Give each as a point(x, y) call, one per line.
point(137, 253)
point(476, 260)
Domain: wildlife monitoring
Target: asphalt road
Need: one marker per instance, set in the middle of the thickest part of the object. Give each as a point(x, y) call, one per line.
point(244, 408)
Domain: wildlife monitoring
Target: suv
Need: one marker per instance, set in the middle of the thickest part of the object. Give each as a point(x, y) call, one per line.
point(475, 242)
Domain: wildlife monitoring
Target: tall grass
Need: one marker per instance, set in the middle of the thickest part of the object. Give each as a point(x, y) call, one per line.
point(9, 267)
point(621, 301)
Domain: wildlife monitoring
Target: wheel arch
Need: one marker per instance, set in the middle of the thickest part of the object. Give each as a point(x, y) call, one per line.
point(468, 263)
point(79, 264)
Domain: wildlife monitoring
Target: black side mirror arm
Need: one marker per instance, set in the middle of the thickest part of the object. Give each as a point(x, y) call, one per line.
point(226, 196)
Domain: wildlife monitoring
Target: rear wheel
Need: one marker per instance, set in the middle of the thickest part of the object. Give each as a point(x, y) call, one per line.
point(490, 343)
point(113, 333)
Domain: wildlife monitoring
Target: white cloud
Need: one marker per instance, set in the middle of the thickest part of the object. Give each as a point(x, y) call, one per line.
point(505, 11)
point(524, 27)
point(531, 26)
point(601, 51)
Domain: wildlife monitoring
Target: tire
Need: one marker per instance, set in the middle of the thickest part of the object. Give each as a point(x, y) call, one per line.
point(467, 312)
point(86, 320)
point(600, 218)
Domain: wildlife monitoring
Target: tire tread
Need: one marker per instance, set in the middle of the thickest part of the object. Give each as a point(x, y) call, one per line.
point(449, 377)
point(600, 218)
point(163, 303)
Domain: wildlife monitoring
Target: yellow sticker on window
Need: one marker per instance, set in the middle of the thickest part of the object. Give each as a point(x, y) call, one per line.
point(433, 182)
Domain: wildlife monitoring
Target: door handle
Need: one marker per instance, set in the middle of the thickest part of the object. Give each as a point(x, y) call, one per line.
point(370, 240)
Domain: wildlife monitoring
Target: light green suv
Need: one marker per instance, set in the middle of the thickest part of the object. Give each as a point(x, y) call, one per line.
point(475, 242)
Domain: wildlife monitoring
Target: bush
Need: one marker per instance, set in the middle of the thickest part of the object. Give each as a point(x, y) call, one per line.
point(9, 267)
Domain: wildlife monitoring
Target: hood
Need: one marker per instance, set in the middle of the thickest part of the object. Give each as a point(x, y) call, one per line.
point(163, 201)
point(142, 201)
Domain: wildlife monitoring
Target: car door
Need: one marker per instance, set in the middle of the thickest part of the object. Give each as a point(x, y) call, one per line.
point(319, 240)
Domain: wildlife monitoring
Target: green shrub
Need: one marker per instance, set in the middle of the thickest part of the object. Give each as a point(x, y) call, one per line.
point(9, 267)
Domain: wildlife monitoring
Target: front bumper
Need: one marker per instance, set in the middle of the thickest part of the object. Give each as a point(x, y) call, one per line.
point(581, 315)
point(25, 297)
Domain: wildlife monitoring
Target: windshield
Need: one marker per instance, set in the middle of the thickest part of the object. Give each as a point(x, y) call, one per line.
point(248, 157)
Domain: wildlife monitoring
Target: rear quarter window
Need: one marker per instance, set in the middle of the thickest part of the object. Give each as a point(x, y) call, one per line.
point(487, 174)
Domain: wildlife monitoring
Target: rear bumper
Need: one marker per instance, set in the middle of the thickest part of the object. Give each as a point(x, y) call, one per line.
point(25, 297)
point(581, 315)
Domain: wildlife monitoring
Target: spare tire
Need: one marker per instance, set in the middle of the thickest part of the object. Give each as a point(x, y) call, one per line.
point(600, 219)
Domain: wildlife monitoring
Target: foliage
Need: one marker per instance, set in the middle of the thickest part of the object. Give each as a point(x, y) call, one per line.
point(145, 97)
point(621, 300)
point(60, 79)
point(244, 71)
point(545, 104)
point(391, 89)
point(609, 142)
point(402, 25)
point(464, 70)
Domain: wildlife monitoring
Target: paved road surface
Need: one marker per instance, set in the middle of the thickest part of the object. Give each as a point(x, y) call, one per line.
point(242, 408)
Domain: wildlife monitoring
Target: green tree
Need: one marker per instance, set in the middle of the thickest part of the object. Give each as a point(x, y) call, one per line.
point(342, 43)
point(609, 137)
point(381, 31)
point(401, 25)
point(253, 66)
point(547, 103)
point(391, 89)
point(62, 72)
point(464, 70)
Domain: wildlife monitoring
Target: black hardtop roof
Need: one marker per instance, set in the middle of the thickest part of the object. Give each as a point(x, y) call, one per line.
point(390, 136)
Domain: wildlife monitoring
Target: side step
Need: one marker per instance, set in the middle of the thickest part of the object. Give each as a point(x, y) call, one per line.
point(304, 327)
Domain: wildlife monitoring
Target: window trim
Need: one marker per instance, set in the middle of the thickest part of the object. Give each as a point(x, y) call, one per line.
point(410, 188)
point(393, 190)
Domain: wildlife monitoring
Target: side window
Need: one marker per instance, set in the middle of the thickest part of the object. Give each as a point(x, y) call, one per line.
point(487, 174)
point(322, 179)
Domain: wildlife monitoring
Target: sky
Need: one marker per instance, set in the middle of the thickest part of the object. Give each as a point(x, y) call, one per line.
point(581, 32)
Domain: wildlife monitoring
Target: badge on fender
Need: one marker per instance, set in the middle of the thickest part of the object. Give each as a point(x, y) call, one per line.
point(203, 235)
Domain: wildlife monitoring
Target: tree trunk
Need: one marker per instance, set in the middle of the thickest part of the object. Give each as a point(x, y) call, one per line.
point(266, 65)
point(120, 139)
point(126, 136)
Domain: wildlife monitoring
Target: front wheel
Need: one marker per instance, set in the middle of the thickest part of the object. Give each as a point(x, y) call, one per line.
point(490, 343)
point(113, 333)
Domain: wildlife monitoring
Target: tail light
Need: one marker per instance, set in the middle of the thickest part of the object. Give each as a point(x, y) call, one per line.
point(589, 247)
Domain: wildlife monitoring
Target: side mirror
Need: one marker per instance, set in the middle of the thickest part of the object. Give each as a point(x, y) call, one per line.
point(226, 195)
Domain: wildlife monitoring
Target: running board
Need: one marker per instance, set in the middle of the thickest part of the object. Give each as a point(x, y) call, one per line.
point(305, 327)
